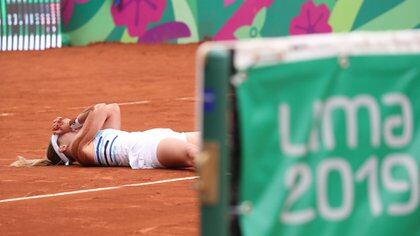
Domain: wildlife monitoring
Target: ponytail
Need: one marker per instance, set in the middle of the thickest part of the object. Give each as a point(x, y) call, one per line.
point(23, 162)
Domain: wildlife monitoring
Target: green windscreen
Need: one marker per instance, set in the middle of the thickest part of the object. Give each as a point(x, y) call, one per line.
point(331, 149)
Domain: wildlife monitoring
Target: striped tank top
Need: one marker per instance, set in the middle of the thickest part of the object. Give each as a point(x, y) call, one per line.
point(111, 148)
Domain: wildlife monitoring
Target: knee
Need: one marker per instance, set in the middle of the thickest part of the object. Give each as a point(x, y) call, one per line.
point(192, 153)
point(115, 106)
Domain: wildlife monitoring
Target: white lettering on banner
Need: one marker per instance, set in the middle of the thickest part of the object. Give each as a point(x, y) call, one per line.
point(286, 144)
point(391, 130)
point(324, 111)
point(395, 121)
point(399, 185)
point(313, 138)
point(370, 171)
point(323, 171)
point(350, 107)
point(299, 178)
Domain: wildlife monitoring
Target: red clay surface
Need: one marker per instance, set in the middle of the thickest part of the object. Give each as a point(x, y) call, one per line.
point(155, 85)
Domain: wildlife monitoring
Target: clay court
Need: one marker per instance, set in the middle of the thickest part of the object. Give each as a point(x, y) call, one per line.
point(155, 87)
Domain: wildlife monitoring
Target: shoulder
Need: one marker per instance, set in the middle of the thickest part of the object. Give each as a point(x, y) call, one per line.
point(86, 155)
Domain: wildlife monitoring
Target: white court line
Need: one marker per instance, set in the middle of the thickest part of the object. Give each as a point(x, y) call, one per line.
point(7, 114)
point(185, 99)
point(82, 107)
point(121, 104)
point(96, 189)
point(133, 103)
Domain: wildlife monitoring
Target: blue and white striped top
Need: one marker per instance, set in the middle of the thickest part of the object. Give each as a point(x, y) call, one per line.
point(111, 148)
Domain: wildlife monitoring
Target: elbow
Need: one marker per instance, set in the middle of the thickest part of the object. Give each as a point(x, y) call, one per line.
point(99, 105)
point(111, 108)
point(114, 107)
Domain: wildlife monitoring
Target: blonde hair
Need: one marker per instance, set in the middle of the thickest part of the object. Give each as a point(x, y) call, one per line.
point(23, 162)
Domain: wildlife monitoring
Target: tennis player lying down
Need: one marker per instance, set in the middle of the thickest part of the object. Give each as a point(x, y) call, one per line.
point(94, 138)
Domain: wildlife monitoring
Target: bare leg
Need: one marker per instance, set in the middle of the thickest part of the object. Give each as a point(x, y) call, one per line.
point(193, 138)
point(174, 153)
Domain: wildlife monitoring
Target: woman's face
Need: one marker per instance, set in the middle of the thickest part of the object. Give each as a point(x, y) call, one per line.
point(67, 138)
point(65, 141)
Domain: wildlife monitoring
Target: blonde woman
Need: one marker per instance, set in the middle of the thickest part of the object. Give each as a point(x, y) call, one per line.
point(94, 138)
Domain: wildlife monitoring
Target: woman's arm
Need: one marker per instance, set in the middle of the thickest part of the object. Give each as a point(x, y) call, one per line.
point(113, 120)
point(101, 116)
point(64, 125)
point(80, 119)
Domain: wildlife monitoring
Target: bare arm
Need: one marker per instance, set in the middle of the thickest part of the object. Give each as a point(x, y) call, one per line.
point(94, 122)
point(63, 125)
point(100, 117)
point(113, 120)
point(83, 115)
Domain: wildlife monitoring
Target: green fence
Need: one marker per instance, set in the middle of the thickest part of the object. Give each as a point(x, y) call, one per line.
point(29, 24)
point(328, 135)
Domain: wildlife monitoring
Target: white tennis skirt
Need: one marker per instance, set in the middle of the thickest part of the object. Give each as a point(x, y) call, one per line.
point(143, 153)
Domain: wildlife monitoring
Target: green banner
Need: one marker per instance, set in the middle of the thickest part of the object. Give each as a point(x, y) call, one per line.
point(331, 150)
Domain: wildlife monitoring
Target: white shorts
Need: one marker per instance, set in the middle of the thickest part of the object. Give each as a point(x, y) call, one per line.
point(143, 154)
